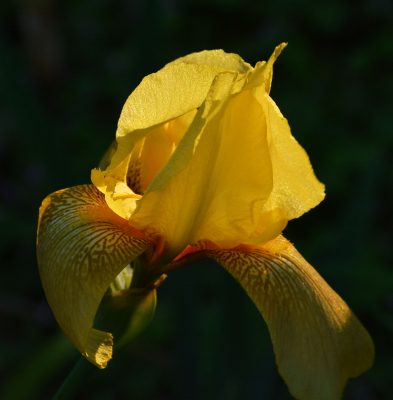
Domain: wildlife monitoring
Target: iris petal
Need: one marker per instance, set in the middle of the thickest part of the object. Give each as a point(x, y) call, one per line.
point(237, 175)
point(179, 87)
point(81, 247)
point(262, 75)
point(163, 105)
point(317, 340)
point(198, 192)
point(296, 188)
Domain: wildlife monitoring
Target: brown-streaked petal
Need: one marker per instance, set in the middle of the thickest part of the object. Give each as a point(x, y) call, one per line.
point(81, 247)
point(318, 342)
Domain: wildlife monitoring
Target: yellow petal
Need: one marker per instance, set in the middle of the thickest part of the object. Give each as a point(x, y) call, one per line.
point(230, 172)
point(237, 176)
point(81, 247)
point(219, 59)
point(175, 90)
point(296, 188)
point(153, 151)
point(318, 342)
point(156, 115)
point(262, 75)
point(120, 198)
point(124, 183)
point(219, 180)
point(179, 87)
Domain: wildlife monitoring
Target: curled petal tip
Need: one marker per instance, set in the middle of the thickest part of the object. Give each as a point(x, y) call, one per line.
point(99, 348)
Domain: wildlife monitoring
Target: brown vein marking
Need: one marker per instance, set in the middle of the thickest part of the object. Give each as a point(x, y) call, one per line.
point(134, 176)
point(269, 278)
point(79, 235)
point(318, 342)
point(81, 247)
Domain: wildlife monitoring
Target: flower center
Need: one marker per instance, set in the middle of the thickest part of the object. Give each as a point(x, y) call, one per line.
point(152, 152)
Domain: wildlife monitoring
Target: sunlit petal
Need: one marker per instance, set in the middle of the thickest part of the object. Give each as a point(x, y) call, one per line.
point(175, 90)
point(317, 340)
point(237, 176)
point(155, 117)
point(124, 183)
point(262, 75)
point(296, 188)
point(179, 87)
point(224, 180)
point(216, 59)
point(81, 247)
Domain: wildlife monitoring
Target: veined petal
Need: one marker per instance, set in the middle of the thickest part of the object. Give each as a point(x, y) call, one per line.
point(81, 247)
point(318, 342)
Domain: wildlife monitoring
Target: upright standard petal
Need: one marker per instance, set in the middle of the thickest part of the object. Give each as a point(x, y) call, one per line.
point(155, 117)
point(296, 189)
point(262, 75)
point(81, 247)
point(318, 342)
point(177, 89)
point(237, 176)
point(217, 183)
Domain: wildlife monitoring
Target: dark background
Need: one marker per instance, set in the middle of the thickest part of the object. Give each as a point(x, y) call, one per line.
point(66, 69)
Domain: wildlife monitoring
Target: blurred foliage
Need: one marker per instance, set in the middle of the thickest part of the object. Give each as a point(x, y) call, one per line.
point(66, 69)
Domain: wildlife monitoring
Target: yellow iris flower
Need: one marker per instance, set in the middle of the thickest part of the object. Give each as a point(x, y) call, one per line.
point(204, 165)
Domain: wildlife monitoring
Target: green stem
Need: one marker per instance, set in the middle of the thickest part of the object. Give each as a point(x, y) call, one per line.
point(74, 380)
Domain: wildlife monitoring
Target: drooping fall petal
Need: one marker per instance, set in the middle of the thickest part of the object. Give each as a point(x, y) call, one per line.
point(318, 342)
point(81, 247)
